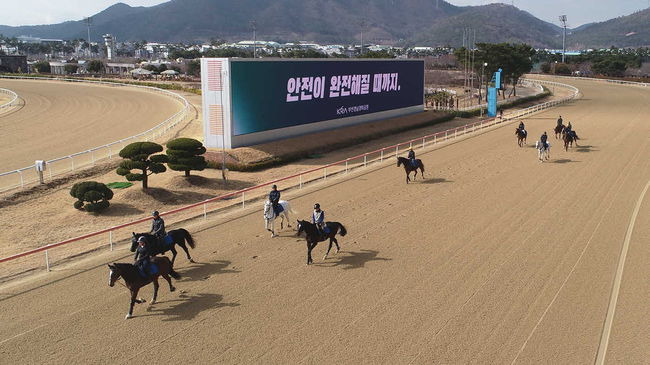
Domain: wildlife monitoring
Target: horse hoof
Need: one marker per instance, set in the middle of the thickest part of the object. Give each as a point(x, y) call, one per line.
point(324, 257)
point(128, 316)
point(172, 289)
point(192, 261)
point(153, 301)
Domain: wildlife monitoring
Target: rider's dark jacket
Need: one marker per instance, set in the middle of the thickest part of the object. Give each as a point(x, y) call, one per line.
point(142, 253)
point(274, 197)
point(158, 227)
point(559, 121)
point(411, 155)
point(543, 139)
point(521, 126)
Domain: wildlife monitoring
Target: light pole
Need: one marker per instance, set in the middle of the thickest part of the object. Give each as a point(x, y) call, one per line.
point(254, 26)
point(563, 20)
point(363, 24)
point(480, 98)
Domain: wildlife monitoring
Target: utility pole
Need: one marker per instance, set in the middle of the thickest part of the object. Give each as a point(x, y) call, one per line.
point(254, 26)
point(363, 25)
point(89, 22)
point(563, 21)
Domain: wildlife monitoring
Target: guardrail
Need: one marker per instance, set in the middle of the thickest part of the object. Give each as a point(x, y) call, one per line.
point(20, 177)
point(12, 95)
point(522, 81)
point(299, 180)
point(609, 81)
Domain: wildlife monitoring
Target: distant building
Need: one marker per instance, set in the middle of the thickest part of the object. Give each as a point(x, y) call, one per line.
point(109, 41)
point(13, 64)
point(119, 68)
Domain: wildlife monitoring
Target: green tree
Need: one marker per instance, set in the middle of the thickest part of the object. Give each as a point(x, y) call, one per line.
point(95, 66)
point(185, 154)
point(42, 67)
point(546, 67)
point(71, 68)
point(562, 69)
point(91, 196)
point(610, 67)
point(138, 157)
point(194, 68)
point(376, 54)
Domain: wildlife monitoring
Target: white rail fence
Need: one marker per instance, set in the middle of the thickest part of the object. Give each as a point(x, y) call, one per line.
point(21, 177)
point(13, 99)
point(108, 237)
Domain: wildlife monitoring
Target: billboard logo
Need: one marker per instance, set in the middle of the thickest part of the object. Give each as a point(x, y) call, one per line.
point(308, 88)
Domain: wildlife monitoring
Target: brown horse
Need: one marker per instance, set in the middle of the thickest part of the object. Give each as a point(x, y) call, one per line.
point(521, 137)
point(558, 131)
point(134, 281)
point(569, 139)
point(408, 167)
point(313, 236)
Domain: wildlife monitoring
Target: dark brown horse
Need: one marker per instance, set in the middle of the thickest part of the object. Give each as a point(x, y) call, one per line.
point(521, 137)
point(408, 167)
point(134, 280)
point(313, 236)
point(558, 131)
point(174, 237)
point(569, 139)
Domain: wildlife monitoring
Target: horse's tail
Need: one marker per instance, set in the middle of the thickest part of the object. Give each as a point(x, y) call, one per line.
point(343, 230)
point(422, 166)
point(188, 237)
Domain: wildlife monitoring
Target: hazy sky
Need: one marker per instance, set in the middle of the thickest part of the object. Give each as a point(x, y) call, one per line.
point(27, 12)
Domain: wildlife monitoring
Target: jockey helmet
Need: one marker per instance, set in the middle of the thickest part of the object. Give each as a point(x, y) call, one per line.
point(316, 206)
point(155, 213)
point(142, 239)
point(274, 187)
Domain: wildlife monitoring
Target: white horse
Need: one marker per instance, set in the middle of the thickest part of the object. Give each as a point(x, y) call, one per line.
point(270, 216)
point(543, 153)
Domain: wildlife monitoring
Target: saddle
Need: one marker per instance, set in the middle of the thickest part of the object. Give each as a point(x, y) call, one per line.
point(322, 235)
point(147, 268)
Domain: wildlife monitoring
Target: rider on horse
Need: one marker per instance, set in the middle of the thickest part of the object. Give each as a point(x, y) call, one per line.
point(143, 258)
point(522, 128)
point(158, 226)
point(411, 157)
point(543, 139)
point(559, 121)
point(318, 218)
point(274, 198)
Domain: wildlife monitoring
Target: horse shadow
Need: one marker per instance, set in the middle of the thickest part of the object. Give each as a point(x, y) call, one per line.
point(201, 271)
point(187, 307)
point(564, 160)
point(585, 148)
point(210, 183)
point(438, 180)
point(176, 196)
point(121, 209)
point(353, 260)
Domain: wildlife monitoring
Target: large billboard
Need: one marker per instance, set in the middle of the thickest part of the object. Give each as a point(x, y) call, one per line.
point(262, 100)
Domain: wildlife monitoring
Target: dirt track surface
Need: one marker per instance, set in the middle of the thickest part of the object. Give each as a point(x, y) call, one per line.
point(60, 118)
point(495, 258)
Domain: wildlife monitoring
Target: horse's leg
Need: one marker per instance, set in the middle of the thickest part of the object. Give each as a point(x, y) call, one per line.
point(286, 214)
point(155, 290)
point(134, 295)
point(328, 250)
point(173, 250)
point(169, 281)
point(309, 248)
point(187, 252)
point(336, 242)
point(416, 174)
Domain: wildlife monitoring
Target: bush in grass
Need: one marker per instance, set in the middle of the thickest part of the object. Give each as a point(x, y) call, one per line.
point(137, 156)
point(185, 154)
point(92, 196)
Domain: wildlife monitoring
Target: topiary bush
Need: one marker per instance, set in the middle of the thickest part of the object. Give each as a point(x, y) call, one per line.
point(185, 155)
point(137, 156)
point(92, 196)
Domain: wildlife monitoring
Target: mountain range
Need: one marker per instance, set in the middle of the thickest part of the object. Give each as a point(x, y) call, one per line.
point(401, 22)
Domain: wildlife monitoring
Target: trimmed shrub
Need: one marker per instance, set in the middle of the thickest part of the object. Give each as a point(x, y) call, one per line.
point(92, 196)
point(137, 156)
point(185, 154)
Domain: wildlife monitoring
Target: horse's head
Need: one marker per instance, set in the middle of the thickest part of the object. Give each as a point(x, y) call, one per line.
point(399, 162)
point(113, 275)
point(300, 226)
point(268, 212)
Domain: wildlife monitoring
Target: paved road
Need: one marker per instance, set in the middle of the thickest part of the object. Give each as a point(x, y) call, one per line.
point(496, 258)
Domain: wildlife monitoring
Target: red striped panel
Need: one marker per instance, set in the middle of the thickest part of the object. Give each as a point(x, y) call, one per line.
point(214, 75)
point(216, 119)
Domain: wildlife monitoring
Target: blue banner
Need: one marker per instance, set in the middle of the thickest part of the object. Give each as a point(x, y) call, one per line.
point(268, 95)
point(492, 102)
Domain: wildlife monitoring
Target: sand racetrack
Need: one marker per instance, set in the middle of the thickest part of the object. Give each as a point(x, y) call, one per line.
point(495, 258)
point(61, 118)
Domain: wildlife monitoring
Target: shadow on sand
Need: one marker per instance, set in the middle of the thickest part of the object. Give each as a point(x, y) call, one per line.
point(186, 307)
point(348, 260)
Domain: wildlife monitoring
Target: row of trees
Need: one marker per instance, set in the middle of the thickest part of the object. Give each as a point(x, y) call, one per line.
point(514, 59)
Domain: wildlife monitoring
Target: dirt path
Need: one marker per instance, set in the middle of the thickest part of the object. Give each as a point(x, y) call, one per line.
point(59, 118)
point(495, 258)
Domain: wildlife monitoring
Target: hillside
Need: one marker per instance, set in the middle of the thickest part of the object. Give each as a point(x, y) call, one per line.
point(627, 31)
point(332, 21)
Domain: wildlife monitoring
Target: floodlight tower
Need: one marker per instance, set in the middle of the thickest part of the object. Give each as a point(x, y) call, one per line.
point(254, 27)
point(89, 22)
point(563, 20)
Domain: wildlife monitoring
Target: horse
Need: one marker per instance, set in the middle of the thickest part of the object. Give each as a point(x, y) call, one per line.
point(173, 237)
point(569, 139)
point(313, 236)
point(408, 167)
point(521, 136)
point(543, 153)
point(559, 129)
point(270, 216)
point(134, 281)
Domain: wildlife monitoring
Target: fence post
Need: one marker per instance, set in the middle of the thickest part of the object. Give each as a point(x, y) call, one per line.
point(381, 158)
point(110, 152)
point(205, 211)
point(325, 173)
point(92, 157)
point(243, 200)
point(301, 180)
point(396, 150)
point(72, 162)
point(22, 180)
point(346, 166)
point(47, 261)
point(423, 142)
point(110, 239)
point(365, 159)
point(446, 135)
